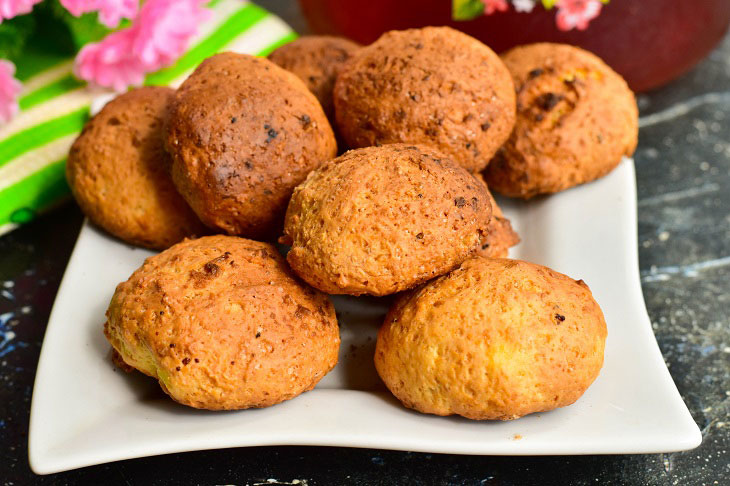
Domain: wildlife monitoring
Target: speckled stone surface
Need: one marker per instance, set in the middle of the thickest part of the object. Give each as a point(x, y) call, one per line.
point(683, 171)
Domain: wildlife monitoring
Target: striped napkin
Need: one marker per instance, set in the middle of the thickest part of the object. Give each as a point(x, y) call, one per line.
point(54, 106)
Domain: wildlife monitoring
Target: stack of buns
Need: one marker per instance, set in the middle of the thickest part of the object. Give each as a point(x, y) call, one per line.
point(245, 153)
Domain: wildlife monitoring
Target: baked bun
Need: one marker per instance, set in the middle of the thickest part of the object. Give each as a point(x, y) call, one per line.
point(242, 133)
point(118, 172)
point(500, 236)
point(379, 220)
point(316, 59)
point(576, 118)
point(434, 86)
point(223, 324)
point(494, 339)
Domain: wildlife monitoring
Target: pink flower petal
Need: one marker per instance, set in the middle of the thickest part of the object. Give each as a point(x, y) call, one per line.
point(9, 91)
point(109, 63)
point(491, 6)
point(159, 35)
point(11, 8)
point(111, 12)
point(576, 13)
point(165, 29)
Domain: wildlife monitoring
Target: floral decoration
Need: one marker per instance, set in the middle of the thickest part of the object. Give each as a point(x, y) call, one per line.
point(11, 8)
point(157, 37)
point(491, 6)
point(111, 12)
point(9, 91)
point(570, 14)
point(575, 14)
point(114, 53)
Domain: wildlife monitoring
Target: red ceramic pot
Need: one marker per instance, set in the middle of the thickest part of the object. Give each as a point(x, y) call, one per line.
point(649, 42)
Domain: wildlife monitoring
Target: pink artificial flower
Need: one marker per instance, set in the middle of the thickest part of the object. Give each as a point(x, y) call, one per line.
point(9, 91)
point(491, 6)
point(110, 11)
point(158, 36)
point(576, 13)
point(11, 8)
point(165, 28)
point(111, 63)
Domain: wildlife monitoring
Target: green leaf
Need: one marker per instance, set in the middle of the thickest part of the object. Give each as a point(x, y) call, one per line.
point(38, 55)
point(466, 9)
point(83, 29)
point(14, 34)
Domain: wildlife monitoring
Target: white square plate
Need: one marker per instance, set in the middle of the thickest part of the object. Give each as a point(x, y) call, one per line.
point(84, 412)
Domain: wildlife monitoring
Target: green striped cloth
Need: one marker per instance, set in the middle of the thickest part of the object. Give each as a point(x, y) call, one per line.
point(54, 107)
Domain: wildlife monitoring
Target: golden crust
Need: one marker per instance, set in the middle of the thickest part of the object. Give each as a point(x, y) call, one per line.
point(380, 220)
point(243, 133)
point(576, 118)
point(223, 324)
point(494, 339)
point(316, 60)
point(433, 86)
point(117, 171)
point(500, 236)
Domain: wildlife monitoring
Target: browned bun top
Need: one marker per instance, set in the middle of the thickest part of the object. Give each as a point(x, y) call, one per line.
point(494, 339)
point(223, 324)
point(316, 59)
point(379, 220)
point(117, 171)
point(576, 118)
point(433, 86)
point(243, 133)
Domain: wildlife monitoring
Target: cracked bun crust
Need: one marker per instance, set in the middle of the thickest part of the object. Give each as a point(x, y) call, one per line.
point(242, 133)
point(118, 172)
point(223, 324)
point(495, 339)
point(576, 118)
point(316, 59)
point(379, 220)
point(434, 86)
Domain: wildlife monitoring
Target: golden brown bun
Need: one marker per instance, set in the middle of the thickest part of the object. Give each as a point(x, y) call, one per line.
point(576, 118)
point(316, 59)
point(494, 339)
point(500, 236)
point(242, 134)
point(380, 220)
point(433, 86)
point(117, 171)
point(223, 324)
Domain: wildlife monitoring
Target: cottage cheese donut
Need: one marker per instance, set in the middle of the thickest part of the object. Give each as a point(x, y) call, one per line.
point(494, 339)
point(576, 118)
point(117, 171)
point(380, 220)
point(223, 324)
point(433, 86)
point(316, 60)
point(242, 134)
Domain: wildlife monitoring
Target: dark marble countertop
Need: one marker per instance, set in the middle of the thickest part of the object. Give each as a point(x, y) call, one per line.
point(683, 174)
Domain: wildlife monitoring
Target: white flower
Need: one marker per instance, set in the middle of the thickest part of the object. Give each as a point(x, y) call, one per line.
point(523, 5)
